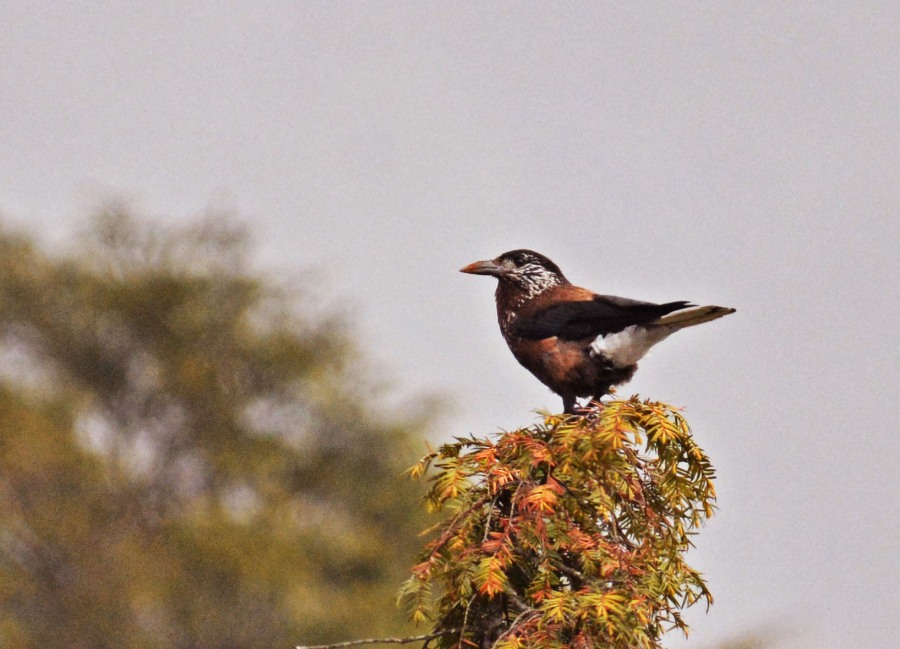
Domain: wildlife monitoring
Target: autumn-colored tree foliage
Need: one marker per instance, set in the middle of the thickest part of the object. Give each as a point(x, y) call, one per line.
point(189, 452)
point(569, 533)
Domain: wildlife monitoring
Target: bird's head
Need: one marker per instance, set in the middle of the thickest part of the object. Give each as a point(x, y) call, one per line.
point(525, 270)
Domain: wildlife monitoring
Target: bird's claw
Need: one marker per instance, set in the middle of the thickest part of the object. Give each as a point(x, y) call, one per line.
point(591, 409)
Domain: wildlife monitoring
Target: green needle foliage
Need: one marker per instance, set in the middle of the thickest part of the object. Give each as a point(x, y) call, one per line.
point(570, 533)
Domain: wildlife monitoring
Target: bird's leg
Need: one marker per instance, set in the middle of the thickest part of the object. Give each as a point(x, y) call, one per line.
point(595, 404)
point(571, 407)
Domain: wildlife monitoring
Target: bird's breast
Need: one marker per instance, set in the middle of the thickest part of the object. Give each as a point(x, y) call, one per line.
point(556, 363)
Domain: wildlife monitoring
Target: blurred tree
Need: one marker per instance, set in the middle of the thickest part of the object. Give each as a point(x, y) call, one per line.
point(188, 458)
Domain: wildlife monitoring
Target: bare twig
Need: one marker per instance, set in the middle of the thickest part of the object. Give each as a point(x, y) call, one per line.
point(571, 573)
point(462, 629)
point(518, 603)
point(520, 618)
point(406, 640)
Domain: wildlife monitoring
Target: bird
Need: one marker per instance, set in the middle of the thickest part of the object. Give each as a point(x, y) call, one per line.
point(577, 342)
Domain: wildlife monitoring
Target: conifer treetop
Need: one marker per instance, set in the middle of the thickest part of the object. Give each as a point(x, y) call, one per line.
point(571, 532)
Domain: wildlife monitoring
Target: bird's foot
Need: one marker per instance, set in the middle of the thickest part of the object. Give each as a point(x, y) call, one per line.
point(590, 409)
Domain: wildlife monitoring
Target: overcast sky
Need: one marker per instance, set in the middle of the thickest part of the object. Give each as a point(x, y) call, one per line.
point(735, 153)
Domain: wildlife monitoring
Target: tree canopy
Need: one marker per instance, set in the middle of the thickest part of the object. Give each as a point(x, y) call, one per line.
point(188, 452)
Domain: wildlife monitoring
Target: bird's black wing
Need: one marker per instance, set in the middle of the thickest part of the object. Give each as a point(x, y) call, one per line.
point(604, 314)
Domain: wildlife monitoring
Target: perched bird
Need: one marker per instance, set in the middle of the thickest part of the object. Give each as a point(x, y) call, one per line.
point(576, 342)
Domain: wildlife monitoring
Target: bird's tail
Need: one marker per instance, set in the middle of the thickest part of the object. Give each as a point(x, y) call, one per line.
point(693, 316)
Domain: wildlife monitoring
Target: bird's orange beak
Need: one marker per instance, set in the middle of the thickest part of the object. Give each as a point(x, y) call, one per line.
point(487, 267)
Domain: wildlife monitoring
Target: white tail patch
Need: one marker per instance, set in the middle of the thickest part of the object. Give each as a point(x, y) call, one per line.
point(628, 346)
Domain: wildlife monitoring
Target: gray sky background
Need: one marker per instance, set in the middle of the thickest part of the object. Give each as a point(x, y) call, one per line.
point(741, 153)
